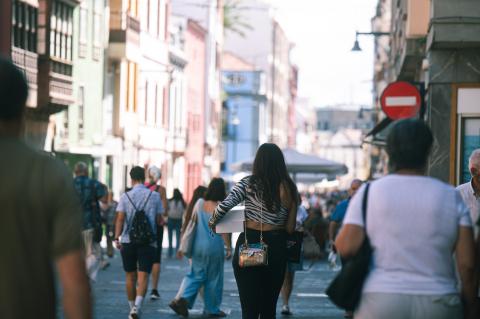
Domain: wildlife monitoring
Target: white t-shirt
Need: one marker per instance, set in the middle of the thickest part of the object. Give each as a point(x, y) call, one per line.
point(412, 222)
point(473, 203)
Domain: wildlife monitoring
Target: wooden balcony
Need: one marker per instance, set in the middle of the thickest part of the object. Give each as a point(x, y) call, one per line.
point(55, 85)
point(28, 62)
point(124, 27)
point(124, 37)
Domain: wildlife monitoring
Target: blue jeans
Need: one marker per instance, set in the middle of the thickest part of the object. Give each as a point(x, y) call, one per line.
point(174, 225)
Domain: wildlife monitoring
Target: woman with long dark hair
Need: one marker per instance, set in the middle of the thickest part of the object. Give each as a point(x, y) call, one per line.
point(270, 198)
point(176, 208)
point(208, 255)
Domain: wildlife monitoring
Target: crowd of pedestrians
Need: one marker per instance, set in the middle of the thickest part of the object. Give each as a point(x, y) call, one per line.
point(424, 233)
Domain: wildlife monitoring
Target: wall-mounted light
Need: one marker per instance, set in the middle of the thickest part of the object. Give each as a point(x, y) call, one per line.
point(356, 44)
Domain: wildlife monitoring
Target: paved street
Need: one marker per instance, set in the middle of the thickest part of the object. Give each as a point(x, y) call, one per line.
point(308, 300)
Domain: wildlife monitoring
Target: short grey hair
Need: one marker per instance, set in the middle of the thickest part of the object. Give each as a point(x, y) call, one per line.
point(154, 173)
point(474, 160)
point(81, 168)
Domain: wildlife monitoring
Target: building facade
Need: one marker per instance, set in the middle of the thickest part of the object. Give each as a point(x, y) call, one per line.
point(210, 16)
point(153, 87)
point(244, 117)
point(79, 130)
point(195, 51)
point(340, 133)
point(38, 36)
point(435, 45)
point(266, 46)
point(177, 133)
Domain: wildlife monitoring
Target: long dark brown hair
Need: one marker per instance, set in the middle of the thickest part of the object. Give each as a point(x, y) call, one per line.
point(198, 193)
point(269, 173)
point(178, 197)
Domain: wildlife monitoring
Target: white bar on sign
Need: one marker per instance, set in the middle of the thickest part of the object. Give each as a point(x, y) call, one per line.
point(396, 101)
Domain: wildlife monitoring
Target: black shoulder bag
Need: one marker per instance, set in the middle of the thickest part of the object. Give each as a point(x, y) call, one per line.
point(345, 290)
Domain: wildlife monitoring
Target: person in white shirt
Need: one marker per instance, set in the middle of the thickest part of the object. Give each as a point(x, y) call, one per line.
point(471, 191)
point(415, 224)
point(471, 196)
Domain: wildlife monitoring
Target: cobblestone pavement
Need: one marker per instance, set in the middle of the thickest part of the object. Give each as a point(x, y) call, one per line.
point(308, 298)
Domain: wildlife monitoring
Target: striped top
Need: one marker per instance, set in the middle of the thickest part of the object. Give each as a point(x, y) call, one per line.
point(255, 208)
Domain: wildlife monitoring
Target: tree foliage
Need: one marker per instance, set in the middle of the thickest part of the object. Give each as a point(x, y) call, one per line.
point(233, 20)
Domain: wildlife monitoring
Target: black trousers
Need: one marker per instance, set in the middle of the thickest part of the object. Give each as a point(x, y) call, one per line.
point(259, 287)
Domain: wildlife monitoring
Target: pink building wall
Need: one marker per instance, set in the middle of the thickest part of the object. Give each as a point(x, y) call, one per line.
point(195, 49)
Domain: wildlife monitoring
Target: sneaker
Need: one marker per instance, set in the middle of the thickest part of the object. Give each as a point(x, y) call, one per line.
point(180, 306)
point(154, 294)
point(134, 313)
point(286, 310)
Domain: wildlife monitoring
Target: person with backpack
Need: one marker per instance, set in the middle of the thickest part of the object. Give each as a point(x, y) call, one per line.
point(90, 191)
point(138, 212)
point(176, 208)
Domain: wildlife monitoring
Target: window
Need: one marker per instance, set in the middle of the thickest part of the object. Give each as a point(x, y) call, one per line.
point(64, 127)
point(24, 26)
point(470, 140)
point(133, 8)
point(165, 109)
point(132, 87)
point(161, 23)
point(165, 22)
point(97, 32)
point(83, 31)
point(159, 107)
point(156, 103)
point(81, 112)
point(61, 29)
point(146, 102)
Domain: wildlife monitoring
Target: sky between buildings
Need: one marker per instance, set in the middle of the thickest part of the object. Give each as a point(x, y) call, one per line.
point(323, 32)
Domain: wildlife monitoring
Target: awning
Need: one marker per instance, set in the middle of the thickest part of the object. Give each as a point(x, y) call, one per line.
point(378, 135)
point(299, 163)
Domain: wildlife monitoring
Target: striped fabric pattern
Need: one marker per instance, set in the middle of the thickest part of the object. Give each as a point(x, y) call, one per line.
point(255, 207)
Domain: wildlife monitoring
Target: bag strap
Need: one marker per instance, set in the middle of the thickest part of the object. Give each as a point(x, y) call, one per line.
point(261, 226)
point(146, 201)
point(131, 202)
point(129, 223)
point(364, 206)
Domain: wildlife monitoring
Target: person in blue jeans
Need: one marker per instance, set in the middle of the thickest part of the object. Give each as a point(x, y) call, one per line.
point(176, 208)
point(208, 257)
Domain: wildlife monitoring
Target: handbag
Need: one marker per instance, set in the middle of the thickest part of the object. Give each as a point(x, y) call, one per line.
point(345, 290)
point(188, 236)
point(294, 246)
point(252, 255)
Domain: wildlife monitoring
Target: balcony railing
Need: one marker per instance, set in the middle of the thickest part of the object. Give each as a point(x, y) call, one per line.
point(123, 21)
point(61, 82)
point(124, 28)
point(27, 61)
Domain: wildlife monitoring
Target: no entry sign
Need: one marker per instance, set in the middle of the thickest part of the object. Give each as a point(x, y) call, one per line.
point(400, 100)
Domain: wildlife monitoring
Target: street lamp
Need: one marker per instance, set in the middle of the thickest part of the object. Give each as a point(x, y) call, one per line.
point(356, 44)
point(235, 122)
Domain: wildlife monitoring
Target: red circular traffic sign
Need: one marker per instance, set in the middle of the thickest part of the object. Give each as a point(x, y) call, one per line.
point(400, 100)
